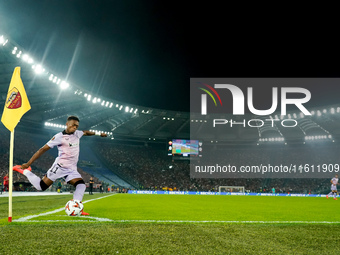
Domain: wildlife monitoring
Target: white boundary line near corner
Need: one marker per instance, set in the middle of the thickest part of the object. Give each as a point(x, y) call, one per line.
point(97, 219)
point(23, 219)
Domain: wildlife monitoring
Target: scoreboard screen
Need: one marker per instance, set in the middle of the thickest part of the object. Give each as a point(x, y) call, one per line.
point(184, 148)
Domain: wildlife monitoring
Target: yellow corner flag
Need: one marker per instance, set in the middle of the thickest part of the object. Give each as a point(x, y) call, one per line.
point(16, 104)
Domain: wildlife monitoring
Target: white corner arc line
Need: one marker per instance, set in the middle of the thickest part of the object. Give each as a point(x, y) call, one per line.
point(26, 218)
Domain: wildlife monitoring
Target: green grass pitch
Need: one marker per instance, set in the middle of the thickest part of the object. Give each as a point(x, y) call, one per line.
point(172, 224)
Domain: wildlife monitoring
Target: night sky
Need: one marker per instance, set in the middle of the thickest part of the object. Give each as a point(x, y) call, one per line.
point(144, 52)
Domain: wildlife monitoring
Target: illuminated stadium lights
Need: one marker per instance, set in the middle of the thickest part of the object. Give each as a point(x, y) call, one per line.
point(294, 115)
point(301, 115)
point(58, 81)
point(88, 97)
point(120, 108)
point(49, 124)
point(318, 113)
point(14, 51)
point(127, 109)
point(98, 100)
point(107, 104)
point(103, 103)
point(136, 110)
point(64, 85)
point(117, 105)
point(55, 79)
point(19, 54)
point(272, 139)
point(317, 137)
point(338, 109)
point(3, 40)
point(332, 110)
point(324, 111)
point(131, 110)
point(38, 69)
point(51, 77)
point(94, 100)
point(99, 131)
point(85, 95)
point(111, 105)
point(312, 112)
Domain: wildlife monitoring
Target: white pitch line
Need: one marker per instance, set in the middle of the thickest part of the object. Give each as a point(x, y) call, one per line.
point(97, 219)
point(23, 219)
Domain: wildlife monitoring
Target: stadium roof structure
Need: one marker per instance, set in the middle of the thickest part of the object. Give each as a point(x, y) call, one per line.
point(53, 99)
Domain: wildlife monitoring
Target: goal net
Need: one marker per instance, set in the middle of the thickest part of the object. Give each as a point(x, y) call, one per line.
point(239, 189)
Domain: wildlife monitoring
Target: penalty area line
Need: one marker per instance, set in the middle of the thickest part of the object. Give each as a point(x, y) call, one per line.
point(26, 218)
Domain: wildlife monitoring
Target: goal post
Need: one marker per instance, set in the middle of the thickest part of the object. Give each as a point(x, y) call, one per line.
point(238, 189)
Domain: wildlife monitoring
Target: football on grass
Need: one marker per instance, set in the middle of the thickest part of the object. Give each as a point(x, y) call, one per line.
point(74, 207)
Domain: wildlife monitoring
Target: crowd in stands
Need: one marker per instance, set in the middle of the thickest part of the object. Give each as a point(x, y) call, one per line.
point(154, 170)
point(149, 167)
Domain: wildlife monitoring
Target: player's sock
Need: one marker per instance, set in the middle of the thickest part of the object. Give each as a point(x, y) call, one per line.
point(35, 180)
point(334, 195)
point(79, 192)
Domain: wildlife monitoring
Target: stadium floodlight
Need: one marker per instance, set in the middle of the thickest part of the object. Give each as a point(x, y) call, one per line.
point(98, 100)
point(294, 115)
point(88, 97)
point(338, 109)
point(64, 85)
point(164, 118)
point(103, 103)
point(38, 69)
point(111, 105)
point(55, 79)
point(324, 111)
point(94, 100)
point(126, 108)
point(19, 54)
point(51, 77)
point(120, 108)
point(85, 95)
point(107, 104)
point(312, 112)
point(3, 40)
point(25, 57)
point(117, 105)
point(136, 110)
point(131, 110)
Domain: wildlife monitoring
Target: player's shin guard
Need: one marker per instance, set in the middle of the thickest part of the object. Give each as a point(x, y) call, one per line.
point(34, 180)
point(80, 190)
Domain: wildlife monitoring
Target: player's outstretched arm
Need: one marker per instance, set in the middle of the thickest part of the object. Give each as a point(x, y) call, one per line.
point(89, 133)
point(36, 155)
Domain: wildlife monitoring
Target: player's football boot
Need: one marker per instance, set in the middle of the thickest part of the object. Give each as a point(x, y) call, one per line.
point(327, 196)
point(84, 213)
point(335, 198)
point(18, 169)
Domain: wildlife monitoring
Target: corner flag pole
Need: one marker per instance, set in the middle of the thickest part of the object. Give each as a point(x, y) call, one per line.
point(10, 170)
point(16, 105)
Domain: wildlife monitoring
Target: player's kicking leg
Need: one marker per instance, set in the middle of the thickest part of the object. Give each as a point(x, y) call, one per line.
point(39, 184)
point(78, 194)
